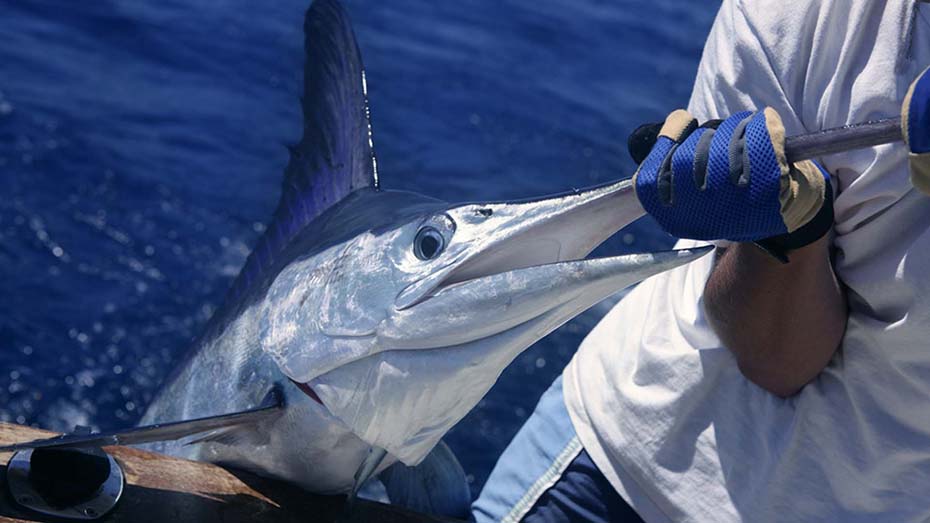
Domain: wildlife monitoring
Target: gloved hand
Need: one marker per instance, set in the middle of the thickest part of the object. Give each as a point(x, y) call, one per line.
point(730, 180)
point(915, 125)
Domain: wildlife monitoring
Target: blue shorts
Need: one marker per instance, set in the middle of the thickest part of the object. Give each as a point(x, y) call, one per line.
point(545, 475)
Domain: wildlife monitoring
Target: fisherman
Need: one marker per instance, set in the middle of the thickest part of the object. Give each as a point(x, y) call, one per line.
point(786, 378)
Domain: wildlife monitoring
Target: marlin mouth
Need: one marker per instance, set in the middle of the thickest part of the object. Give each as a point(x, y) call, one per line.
point(305, 388)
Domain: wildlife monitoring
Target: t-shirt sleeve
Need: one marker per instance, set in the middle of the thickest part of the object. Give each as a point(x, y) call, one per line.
point(741, 71)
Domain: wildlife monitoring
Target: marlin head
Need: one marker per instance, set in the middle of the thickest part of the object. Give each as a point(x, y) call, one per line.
point(401, 328)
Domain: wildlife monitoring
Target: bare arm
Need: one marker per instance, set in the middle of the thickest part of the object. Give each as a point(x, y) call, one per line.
point(783, 322)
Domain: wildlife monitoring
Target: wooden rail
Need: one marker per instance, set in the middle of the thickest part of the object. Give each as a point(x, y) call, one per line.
point(171, 490)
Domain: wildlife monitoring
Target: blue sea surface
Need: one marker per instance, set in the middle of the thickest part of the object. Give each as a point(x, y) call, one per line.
point(142, 146)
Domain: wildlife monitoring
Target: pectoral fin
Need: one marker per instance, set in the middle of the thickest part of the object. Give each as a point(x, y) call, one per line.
point(271, 407)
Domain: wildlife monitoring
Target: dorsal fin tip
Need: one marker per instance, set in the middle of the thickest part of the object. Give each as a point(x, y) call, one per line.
point(334, 156)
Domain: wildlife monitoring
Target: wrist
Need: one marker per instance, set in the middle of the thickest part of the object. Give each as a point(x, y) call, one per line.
point(782, 245)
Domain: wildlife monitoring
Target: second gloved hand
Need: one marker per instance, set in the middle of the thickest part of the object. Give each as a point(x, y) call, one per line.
point(731, 181)
point(915, 125)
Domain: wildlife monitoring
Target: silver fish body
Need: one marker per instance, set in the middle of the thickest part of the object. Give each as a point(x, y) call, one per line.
point(383, 316)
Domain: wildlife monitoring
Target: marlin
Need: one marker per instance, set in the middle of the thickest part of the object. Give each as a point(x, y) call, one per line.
point(379, 318)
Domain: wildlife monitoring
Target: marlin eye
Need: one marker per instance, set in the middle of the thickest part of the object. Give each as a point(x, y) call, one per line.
point(428, 243)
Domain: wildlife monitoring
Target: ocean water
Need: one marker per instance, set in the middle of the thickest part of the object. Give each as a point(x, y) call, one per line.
point(141, 150)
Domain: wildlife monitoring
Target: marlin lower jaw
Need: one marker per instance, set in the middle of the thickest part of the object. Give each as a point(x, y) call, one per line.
point(487, 306)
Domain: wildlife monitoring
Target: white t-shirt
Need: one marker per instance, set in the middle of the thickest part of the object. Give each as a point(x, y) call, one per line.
point(660, 405)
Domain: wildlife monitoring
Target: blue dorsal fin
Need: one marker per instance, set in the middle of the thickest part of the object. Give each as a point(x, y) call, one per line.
point(334, 157)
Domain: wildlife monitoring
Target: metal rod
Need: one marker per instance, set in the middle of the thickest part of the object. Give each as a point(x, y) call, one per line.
point(840, 139)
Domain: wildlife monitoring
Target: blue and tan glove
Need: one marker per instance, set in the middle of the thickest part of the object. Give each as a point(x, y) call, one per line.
point(730, 180)
point(915, 125)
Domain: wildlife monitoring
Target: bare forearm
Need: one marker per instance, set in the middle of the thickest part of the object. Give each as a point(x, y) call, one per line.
point(783, 322)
